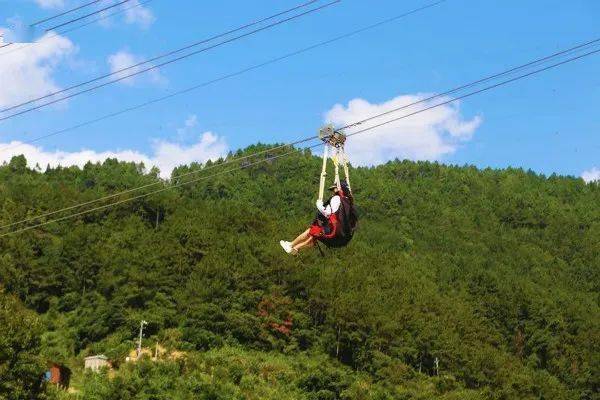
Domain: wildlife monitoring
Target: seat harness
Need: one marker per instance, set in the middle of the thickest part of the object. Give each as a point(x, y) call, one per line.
point(338, 229)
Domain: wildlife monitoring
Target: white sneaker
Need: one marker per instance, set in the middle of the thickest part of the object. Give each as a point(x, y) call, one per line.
point(287, 246)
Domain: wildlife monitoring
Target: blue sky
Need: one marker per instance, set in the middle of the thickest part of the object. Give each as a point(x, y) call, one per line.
point(548, 123)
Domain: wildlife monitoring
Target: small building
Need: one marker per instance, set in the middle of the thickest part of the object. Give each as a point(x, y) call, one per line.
point(58, 375)
point(96, 362)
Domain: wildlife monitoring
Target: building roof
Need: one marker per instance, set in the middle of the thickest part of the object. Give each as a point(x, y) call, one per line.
point(98, 357)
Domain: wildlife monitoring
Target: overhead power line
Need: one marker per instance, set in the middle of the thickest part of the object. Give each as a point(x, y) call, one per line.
point(72, 29)
point(64, 13)
point(2, 44)
point(136, 71)
point(106, 16)
point(487, 88)
point(87, 15)
point(225, 77)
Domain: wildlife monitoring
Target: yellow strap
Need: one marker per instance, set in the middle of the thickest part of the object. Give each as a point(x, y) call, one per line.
point(323, 173)
point(336, 165)
point(346, 169)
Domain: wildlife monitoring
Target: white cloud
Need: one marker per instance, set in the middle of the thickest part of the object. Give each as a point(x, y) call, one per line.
point(135, 13)
point(191, 121)
point(168, 155)
point(4, 36)
point(18, 32)
point(29, 73)
point(124, 59)
point(425, 136)
point(593, 175)
point(50, 4)
point(187, 129)
point(38, 156)
point(165, 155)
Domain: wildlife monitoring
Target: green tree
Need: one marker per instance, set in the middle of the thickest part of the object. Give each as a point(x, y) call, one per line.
point(21, 368)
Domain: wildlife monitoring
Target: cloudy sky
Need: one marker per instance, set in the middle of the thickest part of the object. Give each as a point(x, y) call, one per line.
point(549, 123)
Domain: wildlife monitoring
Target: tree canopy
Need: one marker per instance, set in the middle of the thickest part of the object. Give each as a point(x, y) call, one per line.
point(493, 273)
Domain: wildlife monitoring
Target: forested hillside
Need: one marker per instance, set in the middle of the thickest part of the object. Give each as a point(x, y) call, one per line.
point(496, 274)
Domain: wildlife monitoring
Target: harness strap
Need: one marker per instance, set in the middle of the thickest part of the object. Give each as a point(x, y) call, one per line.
point(323, 174)
point(336, 164)
point(346, 170)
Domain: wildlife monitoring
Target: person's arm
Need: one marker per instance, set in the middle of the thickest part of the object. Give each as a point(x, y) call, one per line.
point(335, 203)
point(332, 207)
point(326, 211)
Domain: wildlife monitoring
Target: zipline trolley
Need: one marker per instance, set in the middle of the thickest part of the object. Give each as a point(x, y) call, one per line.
point(334, 145)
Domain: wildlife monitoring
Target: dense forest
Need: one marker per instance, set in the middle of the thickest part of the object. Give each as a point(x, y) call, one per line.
point(460, 284)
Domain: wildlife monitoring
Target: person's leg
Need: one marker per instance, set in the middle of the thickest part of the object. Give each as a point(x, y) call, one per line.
point(301, 237)
point(309, 242)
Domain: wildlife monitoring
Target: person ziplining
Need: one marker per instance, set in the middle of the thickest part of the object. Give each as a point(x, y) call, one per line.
point(336, 218)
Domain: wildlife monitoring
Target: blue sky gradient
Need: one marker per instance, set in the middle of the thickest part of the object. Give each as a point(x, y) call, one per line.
point(548, 123)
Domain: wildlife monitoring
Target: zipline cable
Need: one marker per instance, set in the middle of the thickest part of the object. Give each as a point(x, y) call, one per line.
point(290, 144)
point(568, 51)
point(311, 138)
point(69, 30)
point(222, 78)
point(64, 13)
point(354, 32)
point(196, 171)
point(462, 96)
point(155, 192)
point(168, 54)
